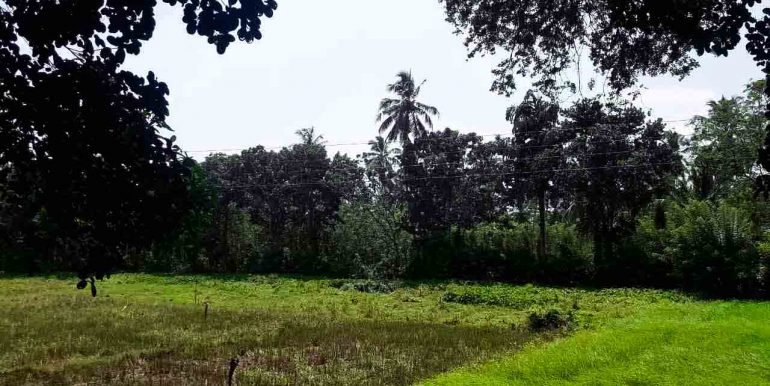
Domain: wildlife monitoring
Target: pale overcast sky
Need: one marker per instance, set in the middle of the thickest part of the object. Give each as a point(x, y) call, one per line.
point(326, 64)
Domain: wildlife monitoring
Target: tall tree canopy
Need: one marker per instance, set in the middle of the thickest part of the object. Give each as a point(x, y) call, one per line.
point(447, 180)
point(724, 143)
point(85, 171)
point(536, 152)
point(404, 116)
point(292, 195)
point(624, 39)
point(616, 165)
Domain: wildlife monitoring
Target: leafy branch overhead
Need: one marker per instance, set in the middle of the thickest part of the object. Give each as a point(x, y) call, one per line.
point(112, 29)
point(75, 124)
point(624, 39)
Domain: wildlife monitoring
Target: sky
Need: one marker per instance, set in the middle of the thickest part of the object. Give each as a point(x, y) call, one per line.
point(326, 64)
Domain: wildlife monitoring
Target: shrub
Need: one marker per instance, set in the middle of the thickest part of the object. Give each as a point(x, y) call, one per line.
point(763, 249)
point(366, 286)
point(464, 298)
point(507, 251)
point(368, 241)
point(705, 247)
point(519, 298)
point(569, 257)
point(713, 250)
point(644, 258)
point(550, 320)
point(13, 260)
point(496, 251)
point(232, 243)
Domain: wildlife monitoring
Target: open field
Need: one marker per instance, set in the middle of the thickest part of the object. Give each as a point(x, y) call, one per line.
point(722, 343)
point(145, 329)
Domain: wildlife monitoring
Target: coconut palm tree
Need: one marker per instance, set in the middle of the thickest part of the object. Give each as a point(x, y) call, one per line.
point(381, 155)
point(405, 115)
point(380, 161)
point(309, 137)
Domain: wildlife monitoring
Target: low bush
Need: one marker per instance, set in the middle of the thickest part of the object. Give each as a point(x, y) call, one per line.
point(464, 298)
point(550, 320)
point(495, 251)
point(713, 250)
point(366, 286)
point(569, 259)
point(368, 241)
point(233, 243)
point(506, 251)
point(705, 247)
point(520, 298)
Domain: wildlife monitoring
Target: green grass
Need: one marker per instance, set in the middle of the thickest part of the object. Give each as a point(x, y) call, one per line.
point(150, 329)
point(699, 343)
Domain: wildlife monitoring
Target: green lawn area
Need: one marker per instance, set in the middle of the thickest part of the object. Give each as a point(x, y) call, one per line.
point(151, 329)
point(719, 343)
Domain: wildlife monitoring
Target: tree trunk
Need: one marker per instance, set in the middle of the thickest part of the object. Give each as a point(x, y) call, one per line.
point(598, 250)
point(541, 238)
point(226, 238)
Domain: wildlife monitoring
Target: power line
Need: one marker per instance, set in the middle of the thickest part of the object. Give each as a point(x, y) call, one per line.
point(477, 175)
point(494, 135)
point(467, 152)
point(461, 162)
point(323, 144)
point(459, 176)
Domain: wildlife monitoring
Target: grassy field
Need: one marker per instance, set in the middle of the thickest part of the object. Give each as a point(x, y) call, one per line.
point(721, 343)
point(145, 329)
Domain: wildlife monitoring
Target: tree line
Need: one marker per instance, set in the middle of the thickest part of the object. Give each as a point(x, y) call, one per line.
point(595, 193)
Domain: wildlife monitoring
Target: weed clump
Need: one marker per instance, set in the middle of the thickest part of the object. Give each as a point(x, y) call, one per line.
point(463, 298)
point(551, 320)
point(366, 286)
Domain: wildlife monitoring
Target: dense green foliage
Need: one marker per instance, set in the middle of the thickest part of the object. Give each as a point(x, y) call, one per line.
point(623, 39)
point(448, 204)
point(507, 251)
point(621, 201)
point(88, 168)
point(724, 144)
point(368, 240)
point(537, 153)
point(705, 246)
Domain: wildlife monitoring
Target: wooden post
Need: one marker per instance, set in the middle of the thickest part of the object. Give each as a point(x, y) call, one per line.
point(231, 372)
